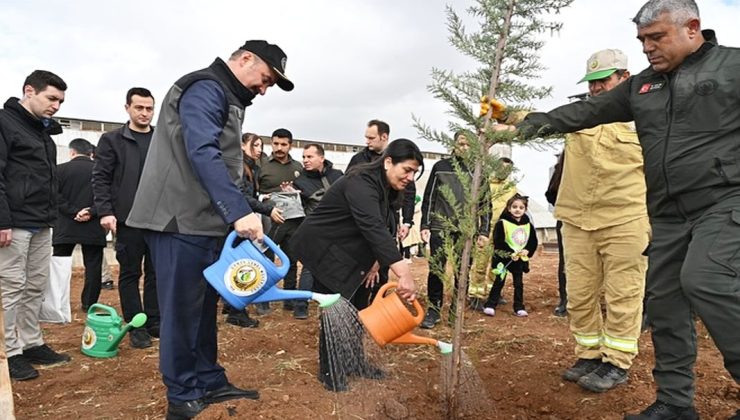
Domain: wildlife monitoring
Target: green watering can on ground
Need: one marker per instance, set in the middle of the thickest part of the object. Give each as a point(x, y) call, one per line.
point(104, 330)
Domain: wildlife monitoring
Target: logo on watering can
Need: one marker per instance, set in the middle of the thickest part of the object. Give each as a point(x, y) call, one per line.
point(88, 338)
point(245, 277)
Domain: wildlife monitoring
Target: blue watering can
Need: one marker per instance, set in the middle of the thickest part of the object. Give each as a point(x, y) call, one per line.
point(244, 275)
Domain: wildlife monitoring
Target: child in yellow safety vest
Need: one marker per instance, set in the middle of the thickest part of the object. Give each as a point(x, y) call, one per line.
point(514, 243)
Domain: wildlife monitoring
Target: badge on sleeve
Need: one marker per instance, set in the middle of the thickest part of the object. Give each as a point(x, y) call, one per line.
point(651, 87)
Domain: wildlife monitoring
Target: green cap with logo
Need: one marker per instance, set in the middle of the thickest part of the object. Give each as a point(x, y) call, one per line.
point(603, 64)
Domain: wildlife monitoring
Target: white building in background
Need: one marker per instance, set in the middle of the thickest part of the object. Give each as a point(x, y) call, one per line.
point(338, 153)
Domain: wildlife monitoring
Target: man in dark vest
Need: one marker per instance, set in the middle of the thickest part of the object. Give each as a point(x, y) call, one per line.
point(188, 199)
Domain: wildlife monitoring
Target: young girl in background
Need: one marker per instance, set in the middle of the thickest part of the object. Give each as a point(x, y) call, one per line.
point(514, 243)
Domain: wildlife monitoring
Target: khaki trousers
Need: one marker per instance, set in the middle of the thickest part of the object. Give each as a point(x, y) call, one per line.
point(607, 261)
point(24, 276)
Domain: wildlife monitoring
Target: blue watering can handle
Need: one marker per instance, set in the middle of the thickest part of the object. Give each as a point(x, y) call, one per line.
point(282, 270)
point(106, 308)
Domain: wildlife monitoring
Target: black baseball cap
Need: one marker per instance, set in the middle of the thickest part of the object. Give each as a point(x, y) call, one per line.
point(274, 57)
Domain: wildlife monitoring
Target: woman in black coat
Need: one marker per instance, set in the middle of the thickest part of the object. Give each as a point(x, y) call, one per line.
point(351, 233)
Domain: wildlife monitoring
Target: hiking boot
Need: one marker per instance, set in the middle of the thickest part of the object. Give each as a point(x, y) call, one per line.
point(582, 367)
point(107, 285)
point(20, 369)
point(301, 310)
point(242, 319)
point(263, 308)
point(185, 411)
point(604, 378)
point(140, 338)
point(664, 411)
point(44, 355)
point(431, 319)
point(562, 309)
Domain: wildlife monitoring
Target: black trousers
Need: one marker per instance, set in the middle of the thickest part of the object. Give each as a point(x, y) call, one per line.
point(498, 284)
point(364, 296)
point(92, 258)
point(561, 262)
point(131, 251)
point(281, 235)
point(435, 287)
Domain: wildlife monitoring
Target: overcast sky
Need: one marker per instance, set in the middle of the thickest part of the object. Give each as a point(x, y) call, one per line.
point(350, 60)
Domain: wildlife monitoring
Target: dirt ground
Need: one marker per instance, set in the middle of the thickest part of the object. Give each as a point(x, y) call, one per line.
point(519, 361)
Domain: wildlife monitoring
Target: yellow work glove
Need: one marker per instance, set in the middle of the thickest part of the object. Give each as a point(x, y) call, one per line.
point(498, 109)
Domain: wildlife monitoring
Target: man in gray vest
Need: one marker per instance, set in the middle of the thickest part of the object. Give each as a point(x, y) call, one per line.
point(188, 199)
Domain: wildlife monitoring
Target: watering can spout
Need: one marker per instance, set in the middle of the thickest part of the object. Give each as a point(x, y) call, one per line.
point(325, 300)
point(138, 321)
point(410, 338)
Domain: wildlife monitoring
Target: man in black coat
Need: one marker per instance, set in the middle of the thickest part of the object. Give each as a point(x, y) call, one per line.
point(315, 179)
point(119, 160)
point(27, 211)
point(77, 222)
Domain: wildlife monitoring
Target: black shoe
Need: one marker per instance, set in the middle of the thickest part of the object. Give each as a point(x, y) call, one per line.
point(20, 369)
point(242, 319)
point(288, 305)
point(44, 355)
point(300, 311)
point(604, 378)
point(185, 411)
point(140, 338)
point(431, 319)
point(582, 367)
point(663, 411)
point(107, 285)
point(229, 392)
point(263, 308)
point(562, 309)
point(153, 330)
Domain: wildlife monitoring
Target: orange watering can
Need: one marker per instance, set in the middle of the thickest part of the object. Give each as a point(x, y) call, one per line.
point(389, 320)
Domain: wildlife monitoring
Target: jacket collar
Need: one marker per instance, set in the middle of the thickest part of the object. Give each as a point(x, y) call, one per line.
point(127, 133)
point(224, 73)
point(316, 174)
point(47, 125)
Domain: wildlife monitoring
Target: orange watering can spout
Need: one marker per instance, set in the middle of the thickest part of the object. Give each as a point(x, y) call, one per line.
point(409, 338)
point(389, 320)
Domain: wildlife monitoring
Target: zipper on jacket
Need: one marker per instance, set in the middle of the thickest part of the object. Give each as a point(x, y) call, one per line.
point(671, 84)
point(669, 111)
